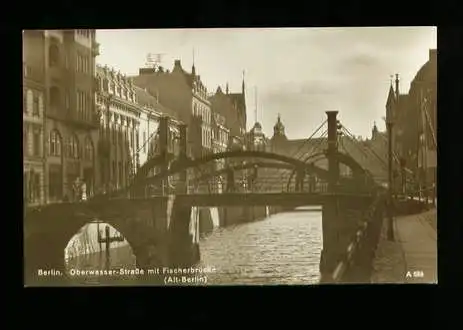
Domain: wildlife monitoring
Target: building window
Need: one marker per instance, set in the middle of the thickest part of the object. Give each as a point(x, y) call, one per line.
point(90, 106)
point(25, 141)
point(41, 112)
point(55, 98)
point(55, 181)
point(36, 145)
point(84, 105)
point(121, 173)
point(24, 101)
point(53, 55)
point(55, 143)
point(67, 102)
point(78, 102)
point(32, 187)
point(35, 106)
point(73, 147)
point(113, 176)
point(81, 64)
point(78, 63)
point(81, 104)
point(88, 153)
point(30, 101)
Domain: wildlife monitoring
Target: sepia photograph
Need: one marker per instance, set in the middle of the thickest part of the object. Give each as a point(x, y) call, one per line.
point(230, 156)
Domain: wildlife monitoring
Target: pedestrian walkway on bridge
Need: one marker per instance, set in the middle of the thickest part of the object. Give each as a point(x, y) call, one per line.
point(412, 256)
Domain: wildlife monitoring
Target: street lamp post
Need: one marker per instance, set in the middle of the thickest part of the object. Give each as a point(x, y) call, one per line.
point(390, 229)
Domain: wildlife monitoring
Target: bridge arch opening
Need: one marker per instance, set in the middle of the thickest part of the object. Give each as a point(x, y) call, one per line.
point(55, 232)
point(97, 246)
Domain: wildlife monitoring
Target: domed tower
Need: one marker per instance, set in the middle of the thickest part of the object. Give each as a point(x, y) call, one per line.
point(257, 128)
point(257, 137)
point(279, 128)
point(279, 138)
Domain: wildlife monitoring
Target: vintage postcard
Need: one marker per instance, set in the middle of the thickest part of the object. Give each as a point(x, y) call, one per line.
point(274, 156)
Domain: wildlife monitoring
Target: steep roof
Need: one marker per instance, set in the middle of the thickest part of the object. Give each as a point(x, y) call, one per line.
point(390, 98)
point(190, 78)
point(428, 72)
point(146, 99)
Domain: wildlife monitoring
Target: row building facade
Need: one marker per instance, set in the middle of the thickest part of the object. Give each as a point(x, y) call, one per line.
point(59, 70)
point(232, 106)
point(128, 127)
point(184, 93)
point(211, 123)
point(414, 130)
point(33, 117)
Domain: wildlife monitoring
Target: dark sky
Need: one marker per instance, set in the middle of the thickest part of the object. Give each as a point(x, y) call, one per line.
point(299, 73)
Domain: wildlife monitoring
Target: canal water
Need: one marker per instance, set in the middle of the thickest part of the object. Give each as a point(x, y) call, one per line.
point(284, 248)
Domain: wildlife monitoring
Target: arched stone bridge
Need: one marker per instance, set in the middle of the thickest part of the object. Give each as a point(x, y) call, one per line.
point(160, 228)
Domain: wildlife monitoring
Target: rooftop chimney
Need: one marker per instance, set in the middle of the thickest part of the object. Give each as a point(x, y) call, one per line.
point(177, 64)
point(397, 86)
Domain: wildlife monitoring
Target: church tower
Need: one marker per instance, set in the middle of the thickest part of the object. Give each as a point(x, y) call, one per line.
point(279, 138)
point(374, 132)
point(279, 128)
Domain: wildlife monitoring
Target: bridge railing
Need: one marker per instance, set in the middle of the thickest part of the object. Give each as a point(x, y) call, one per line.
point(242, 185)
point(355, 265)
point(269, 185)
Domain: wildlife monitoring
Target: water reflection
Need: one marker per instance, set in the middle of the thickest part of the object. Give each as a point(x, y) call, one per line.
point(282, 249)
point(92, 252)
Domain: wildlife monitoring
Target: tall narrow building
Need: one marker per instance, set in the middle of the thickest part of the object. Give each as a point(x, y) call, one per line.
point(129, 124)
point(33, 117)
point(232, 106)
point(186, 94)
point(71, 126)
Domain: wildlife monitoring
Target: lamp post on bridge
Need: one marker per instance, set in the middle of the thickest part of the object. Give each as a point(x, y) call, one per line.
point(390, 228)
point(107, 239)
